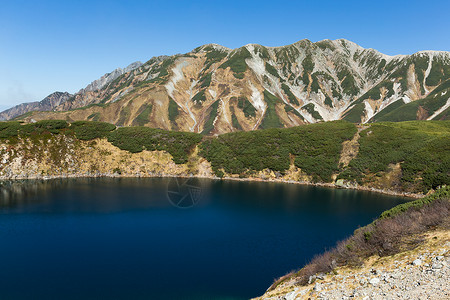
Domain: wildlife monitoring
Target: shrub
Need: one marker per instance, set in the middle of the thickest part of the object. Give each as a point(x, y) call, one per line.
point(137, 139)
point(89, 130)
point(316, 149)
point(385, 236)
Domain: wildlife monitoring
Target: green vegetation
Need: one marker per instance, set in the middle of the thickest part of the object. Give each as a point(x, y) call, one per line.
point(388, 235)
point(409, 111)
point(14, 128)
point(263, 53)
point(443, 193)
point(325, 44)
point(205, 81)
point(200, 97)
point(173, 110)
point(420, 147)
point(234, 120)
point(144, 115)
point(355, 114)
point(328, 101)
point(94, 116)
point(316, 149)
point(271, 119)
point(237, 63)
point(416, 150)
point(308, 64)
point(315, 87)
point(209, 125)
point(86, 130)
point(289, 94)
point(246, 106)
point(288, 109)
point(348, 83)
point(388, 109)
point(311, 109)
point(137, 139)
point(439, 71)
point(124, 114)
point(375, 92)
point(271, 70)
point(83, 130)
point(420, 66)
point(285, 57)
point(9, 129)
point(213, 56)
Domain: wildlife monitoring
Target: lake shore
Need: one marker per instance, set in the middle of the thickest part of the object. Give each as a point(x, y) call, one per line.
point(246, 179)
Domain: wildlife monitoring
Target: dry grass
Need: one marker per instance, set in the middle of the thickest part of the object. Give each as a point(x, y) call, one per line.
point(384, 237)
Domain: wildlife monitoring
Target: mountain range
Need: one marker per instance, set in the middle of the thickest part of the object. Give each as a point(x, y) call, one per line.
point(214, 89)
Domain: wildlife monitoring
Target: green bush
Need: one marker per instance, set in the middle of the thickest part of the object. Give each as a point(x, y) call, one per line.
point(200, 97)
point(9, 129)
point(421, 147)
point(246, 106)
point(89, 130)
point(316, 149)
point(137, 139)
point(209, 125)
point(144, 115)
point(311, 109)
point(289, 94)
point(173, 110)
point(236, 62)
point(443, 193)
point(271, 119)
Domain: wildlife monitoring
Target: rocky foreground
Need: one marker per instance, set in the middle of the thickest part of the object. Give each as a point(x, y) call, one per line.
point(422, 273)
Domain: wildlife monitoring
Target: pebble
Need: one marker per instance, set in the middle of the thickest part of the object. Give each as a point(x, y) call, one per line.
point(427, 277)
point(417, 262)
point(374, 281)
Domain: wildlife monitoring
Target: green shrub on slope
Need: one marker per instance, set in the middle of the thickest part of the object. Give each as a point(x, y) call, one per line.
point(137, 139)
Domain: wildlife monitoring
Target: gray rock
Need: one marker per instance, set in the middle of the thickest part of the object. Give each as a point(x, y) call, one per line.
point(417, 262)
point(374, 281)
point(436, 266)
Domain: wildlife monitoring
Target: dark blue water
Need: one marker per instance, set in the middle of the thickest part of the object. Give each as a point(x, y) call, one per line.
point(123, 239)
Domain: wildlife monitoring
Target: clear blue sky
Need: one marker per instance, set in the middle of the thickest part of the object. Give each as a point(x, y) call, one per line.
point(49, 46)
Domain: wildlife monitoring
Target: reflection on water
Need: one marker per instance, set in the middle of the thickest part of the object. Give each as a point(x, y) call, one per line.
point(122, 238)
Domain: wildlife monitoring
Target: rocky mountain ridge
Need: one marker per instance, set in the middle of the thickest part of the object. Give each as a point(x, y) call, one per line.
point(214, 89)
point(57, 99)
point(48, 103)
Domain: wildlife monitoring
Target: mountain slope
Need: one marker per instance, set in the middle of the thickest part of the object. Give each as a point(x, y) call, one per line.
point(64, 101)
point(48, 103)
point(213, 89)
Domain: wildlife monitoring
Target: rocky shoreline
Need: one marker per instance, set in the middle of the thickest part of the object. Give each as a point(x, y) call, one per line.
point(248, 179)
point(422, 273)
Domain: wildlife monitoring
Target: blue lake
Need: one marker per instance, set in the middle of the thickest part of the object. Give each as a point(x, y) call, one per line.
point(125, 239)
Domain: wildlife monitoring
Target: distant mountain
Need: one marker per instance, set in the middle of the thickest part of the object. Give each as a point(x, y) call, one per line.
point(213, 89)
point(57, 99)
point(49, 103)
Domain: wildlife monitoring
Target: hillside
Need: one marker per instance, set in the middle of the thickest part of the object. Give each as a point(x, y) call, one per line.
point(215, 90)
point(405, 254)
point(405, 157)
